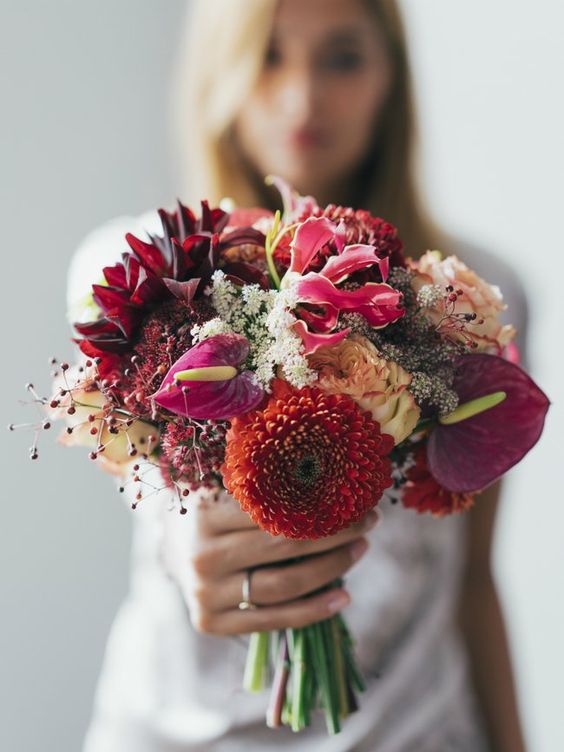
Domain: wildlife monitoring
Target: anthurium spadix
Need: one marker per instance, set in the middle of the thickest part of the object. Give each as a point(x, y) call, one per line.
point(500, 418)
point(208, 381)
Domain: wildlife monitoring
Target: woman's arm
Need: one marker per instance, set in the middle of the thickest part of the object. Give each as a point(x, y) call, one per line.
point(483, 628)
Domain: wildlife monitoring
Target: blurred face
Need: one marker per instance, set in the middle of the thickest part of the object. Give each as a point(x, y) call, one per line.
point(318, 98)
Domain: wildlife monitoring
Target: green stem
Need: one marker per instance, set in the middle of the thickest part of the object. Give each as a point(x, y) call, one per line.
point(322, 669)
point(269, 251)
point(331, 676)
point(340, 668)
point(279, 684)
point(298, 680)
point(353, 670)
point(257, 662)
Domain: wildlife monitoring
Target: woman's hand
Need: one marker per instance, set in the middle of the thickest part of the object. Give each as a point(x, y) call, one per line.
point(209, 550)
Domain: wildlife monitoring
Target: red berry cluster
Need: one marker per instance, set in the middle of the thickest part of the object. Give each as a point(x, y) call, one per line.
point(193, 453)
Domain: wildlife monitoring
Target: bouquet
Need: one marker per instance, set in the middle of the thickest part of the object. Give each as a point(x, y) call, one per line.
point(301, 362)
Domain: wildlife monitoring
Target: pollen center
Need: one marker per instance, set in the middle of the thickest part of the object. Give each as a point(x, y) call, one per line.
point(307, 470)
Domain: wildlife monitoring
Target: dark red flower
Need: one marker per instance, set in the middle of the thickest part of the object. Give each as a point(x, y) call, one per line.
point(470, 455)
point(177, 264)
point(424, 494)
point(308, 464)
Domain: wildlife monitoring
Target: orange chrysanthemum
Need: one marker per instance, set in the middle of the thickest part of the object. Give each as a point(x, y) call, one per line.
point(308, 464)
point(424, 494)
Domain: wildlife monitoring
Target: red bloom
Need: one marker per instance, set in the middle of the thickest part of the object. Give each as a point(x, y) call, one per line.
point(424, 494)
point(308, 464)
point(469, 455)
point(177, 264)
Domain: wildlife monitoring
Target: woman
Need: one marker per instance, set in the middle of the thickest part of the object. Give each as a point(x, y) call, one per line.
point(317, 91)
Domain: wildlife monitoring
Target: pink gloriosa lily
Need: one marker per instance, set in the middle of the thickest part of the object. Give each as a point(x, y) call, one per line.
point(312, 341)
point(351, 259)
point(309, 239)
point(220, 390)
point(379, 303)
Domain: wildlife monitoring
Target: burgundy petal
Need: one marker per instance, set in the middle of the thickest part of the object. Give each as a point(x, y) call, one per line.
point(472, 454)
point(183, 290)
point(149, 256)
point(245, 274)
point(95, 328)
point(115, 275)
point(242, 236)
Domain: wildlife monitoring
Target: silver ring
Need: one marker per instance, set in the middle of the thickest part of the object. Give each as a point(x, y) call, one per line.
point(246, 603)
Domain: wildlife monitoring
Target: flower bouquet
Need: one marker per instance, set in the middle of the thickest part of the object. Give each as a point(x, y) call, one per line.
point(300, 361)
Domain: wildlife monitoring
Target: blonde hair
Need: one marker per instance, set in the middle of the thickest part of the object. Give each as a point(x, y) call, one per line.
point(221, 56)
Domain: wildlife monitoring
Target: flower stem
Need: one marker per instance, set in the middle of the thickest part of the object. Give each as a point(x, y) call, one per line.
point(257, 662)
point(279, 684)
point(269, 251)
point(322, 667)
point(298, 680)
point(340, 670)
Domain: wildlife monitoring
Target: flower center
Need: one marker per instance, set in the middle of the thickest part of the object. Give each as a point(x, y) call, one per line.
point(307, 470)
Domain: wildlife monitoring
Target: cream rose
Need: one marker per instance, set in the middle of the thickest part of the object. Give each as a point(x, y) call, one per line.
point(477, 297)
point(355, 367)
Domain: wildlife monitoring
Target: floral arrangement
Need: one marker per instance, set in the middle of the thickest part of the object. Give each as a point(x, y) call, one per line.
point(300, 361)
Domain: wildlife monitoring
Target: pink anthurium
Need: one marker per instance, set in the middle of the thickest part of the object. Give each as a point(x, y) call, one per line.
point(206, 383)
point(472, 453)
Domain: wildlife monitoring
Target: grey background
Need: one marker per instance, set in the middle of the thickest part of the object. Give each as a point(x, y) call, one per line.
point(83, 138)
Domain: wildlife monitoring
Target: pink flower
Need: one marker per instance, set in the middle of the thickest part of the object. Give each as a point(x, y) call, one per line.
point(319, 297)
point(217, 389)
point(474, 297)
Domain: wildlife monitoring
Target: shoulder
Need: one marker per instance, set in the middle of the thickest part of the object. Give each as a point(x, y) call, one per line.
point(102, 247)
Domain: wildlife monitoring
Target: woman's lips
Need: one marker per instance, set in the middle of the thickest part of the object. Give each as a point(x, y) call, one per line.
point(308, 138)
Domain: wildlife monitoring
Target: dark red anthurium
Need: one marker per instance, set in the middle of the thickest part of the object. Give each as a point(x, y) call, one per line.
point(470, 455)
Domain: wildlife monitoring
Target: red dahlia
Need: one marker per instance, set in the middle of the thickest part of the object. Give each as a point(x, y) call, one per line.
point(175, 265)
point(424, 494)
point(308, 464)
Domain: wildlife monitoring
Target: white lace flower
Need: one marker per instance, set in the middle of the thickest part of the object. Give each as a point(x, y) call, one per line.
point(264, 317)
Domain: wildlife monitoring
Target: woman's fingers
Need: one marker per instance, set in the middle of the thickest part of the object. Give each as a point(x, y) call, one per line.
point(278, 584)
point(294, 614)
point(247, 549)
point(220, 514)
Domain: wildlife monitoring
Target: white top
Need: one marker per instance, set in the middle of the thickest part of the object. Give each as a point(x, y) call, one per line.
point(166, 688)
